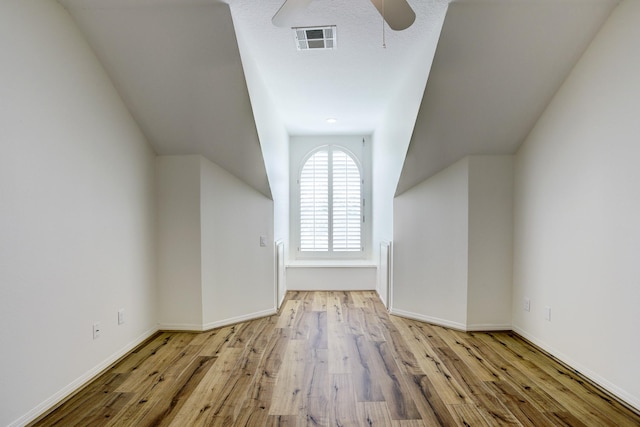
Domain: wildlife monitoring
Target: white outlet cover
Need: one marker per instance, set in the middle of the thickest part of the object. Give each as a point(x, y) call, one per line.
point(96, 330)
point(527, 304)
point(121, 316)
point(547, 313)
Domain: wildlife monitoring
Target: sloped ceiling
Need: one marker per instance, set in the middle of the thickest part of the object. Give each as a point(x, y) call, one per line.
point(178, 69)
point(177, 65)
point(497, 65)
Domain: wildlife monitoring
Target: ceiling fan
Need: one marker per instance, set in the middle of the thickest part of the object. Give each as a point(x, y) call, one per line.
point(396, 13)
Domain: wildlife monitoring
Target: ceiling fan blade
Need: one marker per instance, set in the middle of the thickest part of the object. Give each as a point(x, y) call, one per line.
point(287, 13)
point(397, 13)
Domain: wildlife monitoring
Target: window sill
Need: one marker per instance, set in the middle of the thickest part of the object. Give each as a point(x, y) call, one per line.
point(332, 263)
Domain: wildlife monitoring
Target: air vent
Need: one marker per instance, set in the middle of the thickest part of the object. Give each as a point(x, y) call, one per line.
point(314, 38)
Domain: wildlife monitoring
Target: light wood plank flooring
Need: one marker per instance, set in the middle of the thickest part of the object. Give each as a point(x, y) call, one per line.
point(338, 359)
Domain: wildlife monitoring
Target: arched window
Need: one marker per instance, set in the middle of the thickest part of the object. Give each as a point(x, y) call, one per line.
point(330, 197)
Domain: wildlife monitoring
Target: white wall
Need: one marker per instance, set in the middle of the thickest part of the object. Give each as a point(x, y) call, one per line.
point(179, 242)
point(76, 213)
point(577, 235)
point(212, 270)
point(452, 254)
point(238, 276)
point(327, 278)
point(430, 248)
point(490, 242)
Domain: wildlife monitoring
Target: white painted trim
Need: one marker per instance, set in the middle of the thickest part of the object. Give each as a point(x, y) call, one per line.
point(623, 395)
point(280, 283)
point(428, 319)
point(332, 264)
point(330, 289)
point(239, 319)
point(217, 324)
point(178, 327)
point(488, 327)
point(80, 382)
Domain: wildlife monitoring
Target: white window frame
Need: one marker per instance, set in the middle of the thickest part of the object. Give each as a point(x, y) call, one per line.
point(302, 149)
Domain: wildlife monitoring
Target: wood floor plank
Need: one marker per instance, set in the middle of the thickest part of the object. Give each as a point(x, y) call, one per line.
point(288, 313)
point(343, 401)
point(317, 328)
point(113, 404)
point(290, 381)
point(583, 389)
point(281, 421)
point(90, 398)
point(572, 397)
point(486, 402)
point(158, 398)
point(368, 389)
point(199, 403)
point(448, 388)
point(142, 353)
point(517, 377)
point(374, 414)
point(166, 409)
point(433, 410)
point(338, 359)
point(470, 415)
point(392, 383)
point(319, 302)
point(457, 342)
point(523, 411)
point(212, 342)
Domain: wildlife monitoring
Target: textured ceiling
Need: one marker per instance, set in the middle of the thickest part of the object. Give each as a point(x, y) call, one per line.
point(352, 83)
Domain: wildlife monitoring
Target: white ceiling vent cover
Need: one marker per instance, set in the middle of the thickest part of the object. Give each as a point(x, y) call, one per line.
point(315, 38)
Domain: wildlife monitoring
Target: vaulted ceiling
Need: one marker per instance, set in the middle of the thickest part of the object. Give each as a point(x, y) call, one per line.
point(178, 67)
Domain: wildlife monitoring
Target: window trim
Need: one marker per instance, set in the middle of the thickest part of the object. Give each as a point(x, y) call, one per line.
point(302, 148)
point(330, 253)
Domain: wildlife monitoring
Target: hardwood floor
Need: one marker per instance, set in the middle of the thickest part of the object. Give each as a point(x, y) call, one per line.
point(338, 359)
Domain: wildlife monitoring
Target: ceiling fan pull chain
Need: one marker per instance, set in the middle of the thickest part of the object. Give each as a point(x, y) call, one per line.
point(384, 42)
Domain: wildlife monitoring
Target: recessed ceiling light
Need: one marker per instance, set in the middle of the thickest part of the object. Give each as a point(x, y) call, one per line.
point(331, 120)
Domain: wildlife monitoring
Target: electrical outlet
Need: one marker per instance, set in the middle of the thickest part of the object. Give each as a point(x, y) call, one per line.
point(527, 304)
point(263, 241)
point(121, 316)
point(547, 313)
point(96, 330)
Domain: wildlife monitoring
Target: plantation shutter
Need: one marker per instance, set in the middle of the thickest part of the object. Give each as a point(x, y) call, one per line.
point(314, 203)
point(346, 203)
point(330, 203)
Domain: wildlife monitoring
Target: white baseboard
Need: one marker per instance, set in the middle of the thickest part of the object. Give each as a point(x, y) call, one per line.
point(383, 299)
point(487, 327)
point(81, 381)
point(428, 319)
point(238, 319)
point(181, 327)
point(479, 327)
point(196, 327)
point(623, 395)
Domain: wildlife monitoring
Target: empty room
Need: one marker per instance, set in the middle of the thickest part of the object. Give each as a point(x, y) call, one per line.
point(319, 212)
